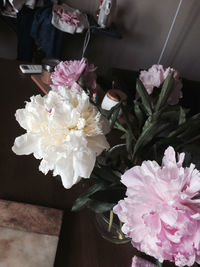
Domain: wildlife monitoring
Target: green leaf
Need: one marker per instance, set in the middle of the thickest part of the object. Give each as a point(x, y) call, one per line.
point(170, 116)
point(165, 91)
point(128, 123)
point(109, 113)
point(188, 127)
point(117, 173)
point(111, 195)
point(118, 126)
point(123, 136)
point(147, 124)
point(84, 198)
point(182, 116)
point(148, 134)
point(139, 115)
point(105, 113)
point(115, 114)
point(106, 173)
point(129, 142)
point(141, 90)
point(99, 206)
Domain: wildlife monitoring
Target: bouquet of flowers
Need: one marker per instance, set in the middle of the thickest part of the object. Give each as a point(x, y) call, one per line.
point(155, 197)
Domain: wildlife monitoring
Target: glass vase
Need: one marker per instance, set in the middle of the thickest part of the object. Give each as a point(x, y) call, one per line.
point(109, 226)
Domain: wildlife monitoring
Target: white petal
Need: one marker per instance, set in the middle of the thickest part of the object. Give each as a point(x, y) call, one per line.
point(26, 144)
point(97, 143)
point(65, 169)
point(83, 163)
point(45, 166)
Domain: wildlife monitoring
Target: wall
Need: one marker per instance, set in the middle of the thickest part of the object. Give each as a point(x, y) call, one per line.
point(144, 25)
point(8, 41)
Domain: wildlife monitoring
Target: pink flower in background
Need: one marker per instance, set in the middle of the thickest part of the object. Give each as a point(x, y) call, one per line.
point(139, 262)
point(67, 74)
point(156, 75)
point(161, 212)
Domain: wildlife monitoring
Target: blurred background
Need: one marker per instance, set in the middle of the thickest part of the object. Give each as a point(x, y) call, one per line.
point(143, 25)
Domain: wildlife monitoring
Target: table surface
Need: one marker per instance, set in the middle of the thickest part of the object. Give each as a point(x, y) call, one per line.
point(80, 244)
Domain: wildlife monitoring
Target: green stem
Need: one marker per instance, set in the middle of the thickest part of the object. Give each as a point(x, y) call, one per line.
point(120, 233)
point(159, 264)
point(110, 221)
point(116, 146)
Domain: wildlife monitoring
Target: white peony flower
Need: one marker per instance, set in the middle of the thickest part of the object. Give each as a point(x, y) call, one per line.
point(65, 131)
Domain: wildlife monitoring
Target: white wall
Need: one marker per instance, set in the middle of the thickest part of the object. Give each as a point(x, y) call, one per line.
point(144, 25)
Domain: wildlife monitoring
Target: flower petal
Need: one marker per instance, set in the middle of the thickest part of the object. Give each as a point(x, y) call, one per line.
point(26, 144)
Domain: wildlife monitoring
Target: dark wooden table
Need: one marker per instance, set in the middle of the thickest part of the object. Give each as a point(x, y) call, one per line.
point(80, 244)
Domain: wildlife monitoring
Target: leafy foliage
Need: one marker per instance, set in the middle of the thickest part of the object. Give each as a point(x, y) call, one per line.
point(144, 130)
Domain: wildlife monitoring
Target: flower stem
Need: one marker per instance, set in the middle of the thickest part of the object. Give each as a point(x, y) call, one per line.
point(120, 233)
point(159, 264)
point(110, 221)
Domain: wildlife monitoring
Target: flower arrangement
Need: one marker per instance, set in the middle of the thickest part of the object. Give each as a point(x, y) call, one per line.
point(155, 197)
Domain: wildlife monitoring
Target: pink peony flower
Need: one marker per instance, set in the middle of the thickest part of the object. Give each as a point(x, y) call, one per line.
point(67, 74)
point(139, 262)
point(161, 212)
point(156, 75)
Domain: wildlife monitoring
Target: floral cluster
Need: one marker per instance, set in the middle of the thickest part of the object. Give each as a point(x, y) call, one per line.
point(65, 131)
point(161, 211)
point(68, 73)
point(157, 199)
point(156, 75)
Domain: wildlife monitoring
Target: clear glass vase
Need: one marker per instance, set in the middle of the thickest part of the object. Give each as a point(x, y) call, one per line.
point(109, 226)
